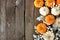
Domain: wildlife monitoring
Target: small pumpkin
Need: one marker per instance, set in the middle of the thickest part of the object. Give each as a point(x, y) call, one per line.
point(49, 35)
point(44, 11)
point(58, 22)
point(41, 28)
point(50, 3)
point(55, 11)
point(38, 3)
point(57, 2)
point(50, 19)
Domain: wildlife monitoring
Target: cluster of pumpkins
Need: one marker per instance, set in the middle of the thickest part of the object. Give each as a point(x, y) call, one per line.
point(49, 3)
point(49, 9)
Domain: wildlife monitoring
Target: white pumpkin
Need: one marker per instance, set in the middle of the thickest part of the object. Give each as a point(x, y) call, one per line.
point(40, 18)
point(44, 11)
point(49, 35)
point(55, 11)
point(58, 22)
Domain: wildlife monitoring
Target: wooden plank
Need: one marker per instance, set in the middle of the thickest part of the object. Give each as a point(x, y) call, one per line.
point(29, 19)
point(3, 19)
point(0, 19)
point(10, 20)
point(19, 19)
point(37, 14)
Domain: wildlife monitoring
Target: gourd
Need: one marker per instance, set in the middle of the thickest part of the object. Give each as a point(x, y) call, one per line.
point(58, 22)
point(49, 35)
point(44, 11)
point(41, 28)
point(50, 19)
point(55, 11)
point(38, 3)
point(50, 3)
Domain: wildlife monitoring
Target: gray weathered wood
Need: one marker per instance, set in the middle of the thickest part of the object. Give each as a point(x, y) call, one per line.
point(3, 20)
point(10, 20)
point(19, 19)
point(29, 19)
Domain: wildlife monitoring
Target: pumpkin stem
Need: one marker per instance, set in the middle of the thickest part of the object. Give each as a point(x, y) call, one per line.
point(51, 19)
point(42, 28)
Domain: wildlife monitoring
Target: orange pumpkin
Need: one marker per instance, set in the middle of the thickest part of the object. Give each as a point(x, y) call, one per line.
point(50, 3)
point(57, 2)
point(41, 28)
point(50, 19)
point(38, 3)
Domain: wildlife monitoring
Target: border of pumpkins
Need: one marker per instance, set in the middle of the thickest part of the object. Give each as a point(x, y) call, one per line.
point(49, 28)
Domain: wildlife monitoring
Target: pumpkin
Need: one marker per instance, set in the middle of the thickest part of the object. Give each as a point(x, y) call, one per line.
point(38, 3)
point(50, 3)
point(44, 11)
point(50, 19)
point(49, 35)
point(41, 28)
point(40, 18)
point(58, 22)
point(57, 2)
point(55, 11)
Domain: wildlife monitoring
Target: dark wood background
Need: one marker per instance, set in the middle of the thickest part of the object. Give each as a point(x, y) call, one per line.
point(17, 19)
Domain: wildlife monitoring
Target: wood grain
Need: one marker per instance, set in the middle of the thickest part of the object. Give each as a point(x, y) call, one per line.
point(19, 19)
point(3, 20)
point(10, 20)
point(29, 19)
